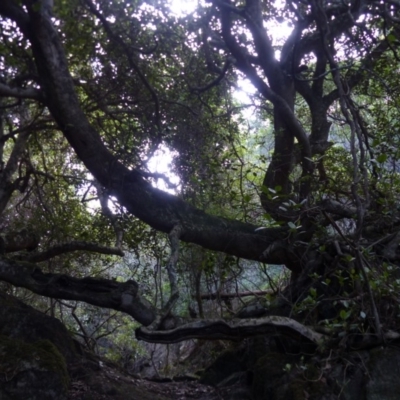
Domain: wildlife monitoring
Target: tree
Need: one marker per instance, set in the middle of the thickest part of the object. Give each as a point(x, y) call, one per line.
point(113, 76)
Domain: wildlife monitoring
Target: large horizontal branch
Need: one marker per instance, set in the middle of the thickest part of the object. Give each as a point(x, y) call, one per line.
point(73, 246)
point(120, 296)
point(159, 209)
point(232, 330)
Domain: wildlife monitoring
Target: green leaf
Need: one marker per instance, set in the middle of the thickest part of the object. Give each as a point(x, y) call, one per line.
point(381, 158)
point(391, 38)
point(246, 198)
point(344, 314)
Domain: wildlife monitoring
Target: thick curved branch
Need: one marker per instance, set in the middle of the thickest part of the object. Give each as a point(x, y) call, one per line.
point(120, 296)
point(232, 330)
point(73, 246)
point(159, 209)
point(263, 44)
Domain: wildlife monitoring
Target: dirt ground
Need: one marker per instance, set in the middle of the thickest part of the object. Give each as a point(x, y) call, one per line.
point(99, 381)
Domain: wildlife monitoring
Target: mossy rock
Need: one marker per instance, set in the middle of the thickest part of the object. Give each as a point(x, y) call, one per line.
point(20, 321)
point(32, 371)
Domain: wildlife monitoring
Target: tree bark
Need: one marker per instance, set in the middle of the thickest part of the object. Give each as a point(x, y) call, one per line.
point(159, 209)
point(120, 296)
point(233, 330)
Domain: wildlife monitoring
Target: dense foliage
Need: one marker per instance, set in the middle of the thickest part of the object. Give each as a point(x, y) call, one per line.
point(278, 125)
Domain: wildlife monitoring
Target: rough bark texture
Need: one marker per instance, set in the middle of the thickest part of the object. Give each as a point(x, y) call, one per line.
point(159, 209)
point(99, 292)
point(277, 82)
point(232, 330)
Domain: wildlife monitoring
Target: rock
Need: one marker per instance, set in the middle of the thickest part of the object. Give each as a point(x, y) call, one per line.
point(227, 364)
point(20, 321)
point(384, 372)
point(32, 371)
point(34, 351)
point(270, 372)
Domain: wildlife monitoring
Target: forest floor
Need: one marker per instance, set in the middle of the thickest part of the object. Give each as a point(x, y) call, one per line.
point(105, 382)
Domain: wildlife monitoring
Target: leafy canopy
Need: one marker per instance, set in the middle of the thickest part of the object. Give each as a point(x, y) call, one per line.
point(303, 173)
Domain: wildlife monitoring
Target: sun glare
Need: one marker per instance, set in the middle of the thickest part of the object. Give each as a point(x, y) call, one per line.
point(183, 7)
point(160, 164)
